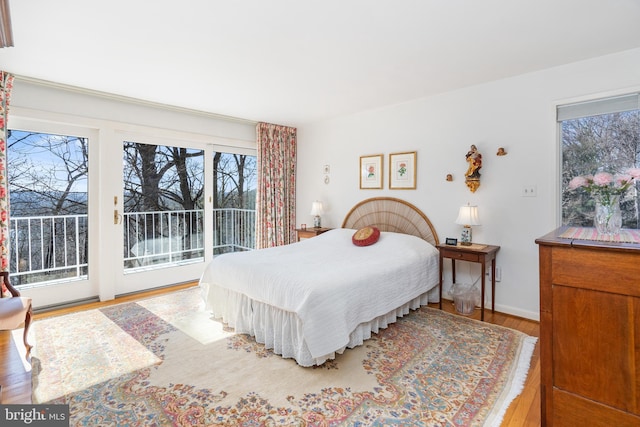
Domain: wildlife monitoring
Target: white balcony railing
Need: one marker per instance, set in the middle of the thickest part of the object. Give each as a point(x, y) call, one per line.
point(48, 248)
point(161, 238)
point(54, 248)
point(234, 230)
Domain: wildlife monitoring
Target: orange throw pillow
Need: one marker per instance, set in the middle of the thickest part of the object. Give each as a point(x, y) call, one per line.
point(366, 236)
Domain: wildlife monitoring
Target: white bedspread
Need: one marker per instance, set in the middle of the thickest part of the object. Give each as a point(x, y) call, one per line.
point(331, 284)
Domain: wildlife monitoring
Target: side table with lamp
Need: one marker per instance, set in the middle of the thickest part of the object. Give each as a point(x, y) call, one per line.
point(465, 250)
point(307, 233)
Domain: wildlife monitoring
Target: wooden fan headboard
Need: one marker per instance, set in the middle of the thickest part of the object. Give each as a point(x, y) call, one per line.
point(390, 214)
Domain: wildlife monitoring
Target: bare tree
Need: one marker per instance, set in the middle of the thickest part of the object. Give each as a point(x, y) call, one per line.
point(48, 180)
point(158, 178)
point(233, 174)
point(49, 171)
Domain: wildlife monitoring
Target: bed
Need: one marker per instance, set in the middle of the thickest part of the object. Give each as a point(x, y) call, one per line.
point(313, 299)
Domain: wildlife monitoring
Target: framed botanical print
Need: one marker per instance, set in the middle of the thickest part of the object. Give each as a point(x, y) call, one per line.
point(402, 171)
point(371, 171)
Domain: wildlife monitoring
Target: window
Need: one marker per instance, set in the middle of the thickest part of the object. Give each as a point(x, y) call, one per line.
point(163, 204)
point(48, 176)
point(599, 136)
point(234, 202)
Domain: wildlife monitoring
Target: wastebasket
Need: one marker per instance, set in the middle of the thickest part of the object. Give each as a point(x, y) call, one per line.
point(465, 297)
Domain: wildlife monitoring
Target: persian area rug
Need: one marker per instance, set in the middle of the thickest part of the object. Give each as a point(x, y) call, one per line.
point(163, 361)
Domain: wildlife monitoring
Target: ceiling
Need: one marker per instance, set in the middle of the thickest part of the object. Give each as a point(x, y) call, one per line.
point(294, 62)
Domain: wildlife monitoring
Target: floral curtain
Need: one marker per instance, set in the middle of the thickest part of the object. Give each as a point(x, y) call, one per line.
point(6, 83)
point(276, 189)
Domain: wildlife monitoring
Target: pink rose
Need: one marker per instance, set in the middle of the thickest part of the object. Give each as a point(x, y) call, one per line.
point(602, 178)
point(622, 180)
point(634, 172)
point(577, 182)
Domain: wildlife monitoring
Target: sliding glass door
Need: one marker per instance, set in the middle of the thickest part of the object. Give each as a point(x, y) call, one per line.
point(50, 212)
point(182, 204)
point(161, 214)
point(234, 201)
point(97, 215)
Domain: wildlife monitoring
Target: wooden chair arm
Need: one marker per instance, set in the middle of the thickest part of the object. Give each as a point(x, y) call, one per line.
point(7, 283)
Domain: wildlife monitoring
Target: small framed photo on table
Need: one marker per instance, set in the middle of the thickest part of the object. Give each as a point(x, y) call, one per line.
point(371, 172)
point(402, 171)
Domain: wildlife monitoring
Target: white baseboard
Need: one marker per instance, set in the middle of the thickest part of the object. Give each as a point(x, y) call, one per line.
point(530, 315)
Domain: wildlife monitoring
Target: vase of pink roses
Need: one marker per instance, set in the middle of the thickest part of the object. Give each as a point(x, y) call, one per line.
point(606, 190)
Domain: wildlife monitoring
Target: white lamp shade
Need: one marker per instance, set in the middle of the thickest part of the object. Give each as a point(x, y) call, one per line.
point(468, 215)
point(316, 208)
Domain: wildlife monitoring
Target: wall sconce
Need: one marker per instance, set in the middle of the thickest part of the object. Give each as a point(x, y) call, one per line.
point(467, 216)
point(316, 211)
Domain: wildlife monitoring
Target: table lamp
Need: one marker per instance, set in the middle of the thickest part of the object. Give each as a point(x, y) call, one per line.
point(316, 211)
point(467, 216)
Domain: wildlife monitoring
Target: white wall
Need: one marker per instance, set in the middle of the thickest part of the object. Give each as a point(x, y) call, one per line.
point(516, 113)
point(51, 102)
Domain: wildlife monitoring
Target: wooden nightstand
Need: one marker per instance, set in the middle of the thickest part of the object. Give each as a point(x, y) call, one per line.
point(477, 252)
point(307, 233)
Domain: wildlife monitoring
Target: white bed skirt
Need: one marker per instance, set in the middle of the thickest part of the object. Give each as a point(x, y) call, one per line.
point(281, 330)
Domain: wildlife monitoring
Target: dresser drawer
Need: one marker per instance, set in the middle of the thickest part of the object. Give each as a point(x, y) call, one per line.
point(596, 269)
point(458, 255)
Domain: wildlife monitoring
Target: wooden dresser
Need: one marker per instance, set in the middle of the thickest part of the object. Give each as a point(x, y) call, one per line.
point(589, 332)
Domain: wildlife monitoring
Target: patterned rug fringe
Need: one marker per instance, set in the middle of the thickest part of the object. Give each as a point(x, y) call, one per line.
point(520, 377)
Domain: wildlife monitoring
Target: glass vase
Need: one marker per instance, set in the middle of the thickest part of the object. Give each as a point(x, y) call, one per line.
point(608, 218)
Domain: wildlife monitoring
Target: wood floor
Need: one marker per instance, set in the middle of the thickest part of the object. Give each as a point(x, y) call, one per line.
point(15, 373)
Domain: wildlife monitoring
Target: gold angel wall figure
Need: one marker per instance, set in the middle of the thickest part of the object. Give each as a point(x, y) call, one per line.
point(472, 175)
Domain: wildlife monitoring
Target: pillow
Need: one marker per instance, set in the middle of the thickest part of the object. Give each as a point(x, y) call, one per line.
point(366, 236)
